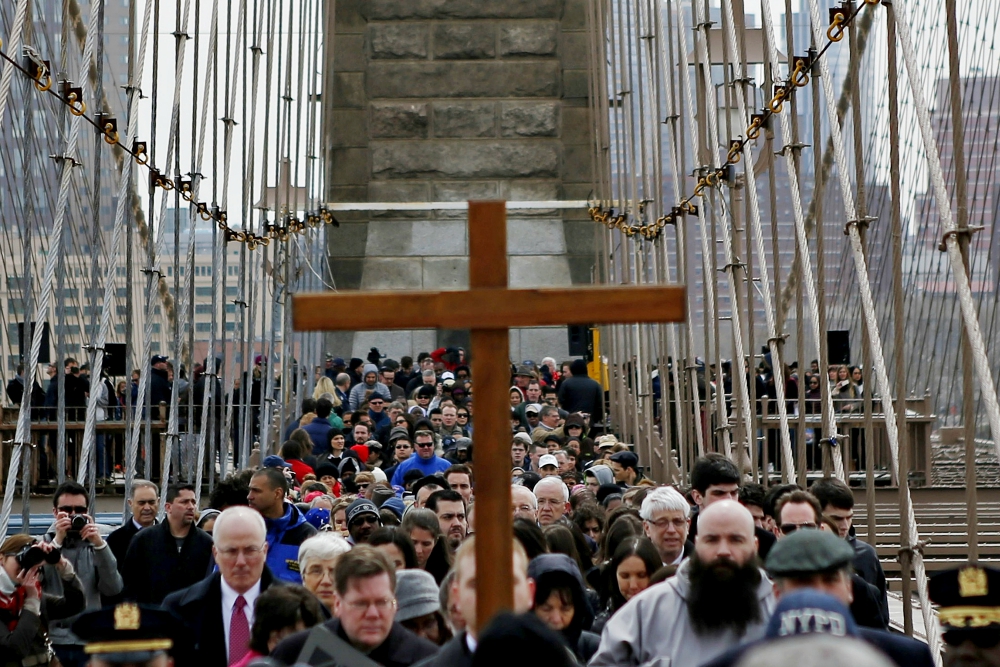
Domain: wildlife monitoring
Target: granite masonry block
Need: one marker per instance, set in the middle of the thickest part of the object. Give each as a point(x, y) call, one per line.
point(349, 53)
point(458, 159)
point(350, 128)
point(349, 166)
point(575, 15)
point(443, 238)
point(398, 40)
point(464, 79)
point(392, 273)
point(531, 40)
point(575, 50)
point(348, 90)
point(390, 238)
point(581, 236)
point(465, 190)
point(402, 191)
point(529, 119)
point(399, 120)
point(348, 240)
point(347, 272)
point(531, 191)
point(464, 119)
point(464, 41)
point(535, 237)
point(350, 18)
point(575, 84)
point(581, 268)
point(449, 273)
point(348, 193)
point(576, 127)
point(539, 271)
point(577, 164)
point(390, 10)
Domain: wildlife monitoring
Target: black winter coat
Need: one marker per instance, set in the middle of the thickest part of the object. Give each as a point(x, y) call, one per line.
point(401, 648)
point(154, 568)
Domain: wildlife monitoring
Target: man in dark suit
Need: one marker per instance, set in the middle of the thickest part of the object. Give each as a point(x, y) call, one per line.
point(144, 504)
point(217, 612)
point(171, 556)
point(365, 617)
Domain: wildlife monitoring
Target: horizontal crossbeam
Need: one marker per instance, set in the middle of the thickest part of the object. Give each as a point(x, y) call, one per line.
point(487, 308)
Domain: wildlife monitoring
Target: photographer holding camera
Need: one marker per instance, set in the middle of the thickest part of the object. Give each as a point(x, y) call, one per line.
point(24, 609)
point(82, 543)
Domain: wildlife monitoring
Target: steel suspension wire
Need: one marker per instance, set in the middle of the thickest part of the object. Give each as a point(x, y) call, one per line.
point(22, 436)
point(788, 463)
point(829, 426)
point(968, 309)
point(733, 265)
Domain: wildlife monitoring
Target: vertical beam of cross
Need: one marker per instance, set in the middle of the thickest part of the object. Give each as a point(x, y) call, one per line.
point(491, 374)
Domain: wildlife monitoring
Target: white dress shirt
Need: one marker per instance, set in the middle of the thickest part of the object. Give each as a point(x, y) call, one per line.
point(229, 601)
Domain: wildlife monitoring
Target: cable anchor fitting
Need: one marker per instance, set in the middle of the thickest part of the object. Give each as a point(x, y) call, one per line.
point(838, 21)
point(957, 234)
point(859, 224)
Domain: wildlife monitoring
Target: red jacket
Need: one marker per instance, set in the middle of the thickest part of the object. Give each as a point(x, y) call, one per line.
point(300, 468)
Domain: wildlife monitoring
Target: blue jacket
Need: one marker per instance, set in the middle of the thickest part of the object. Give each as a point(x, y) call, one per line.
point(429, 466)
point(284, 536)
point(319, 432)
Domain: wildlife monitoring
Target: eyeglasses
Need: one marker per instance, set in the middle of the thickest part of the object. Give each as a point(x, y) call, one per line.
point(424, 444)
point(73, 509)
point(789, 528)
point(361, 606)
point(398, 447)
point(232, 553)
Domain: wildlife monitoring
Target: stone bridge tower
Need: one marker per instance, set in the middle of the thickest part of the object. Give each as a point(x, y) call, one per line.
point(447, 100)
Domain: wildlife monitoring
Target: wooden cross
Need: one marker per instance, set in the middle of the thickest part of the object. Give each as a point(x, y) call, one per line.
point(489, 308)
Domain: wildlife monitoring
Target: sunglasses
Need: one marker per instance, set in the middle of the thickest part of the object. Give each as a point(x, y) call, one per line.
point(373, 520)
point(73, 509)
point(403, 447)
point(425, 444)
point(789, 528)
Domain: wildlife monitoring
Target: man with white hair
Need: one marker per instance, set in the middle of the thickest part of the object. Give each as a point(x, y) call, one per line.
point(523, 503)
point(553, 500)
point(218, 611)
point(666, 521)
point(719, 598)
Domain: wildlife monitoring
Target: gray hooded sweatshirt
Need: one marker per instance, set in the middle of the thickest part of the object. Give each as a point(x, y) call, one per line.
point(655, 624)
point(603, 474)
point(357, 395)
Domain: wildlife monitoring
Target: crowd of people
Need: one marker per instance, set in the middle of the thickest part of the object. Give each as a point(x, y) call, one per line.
point(355, 544)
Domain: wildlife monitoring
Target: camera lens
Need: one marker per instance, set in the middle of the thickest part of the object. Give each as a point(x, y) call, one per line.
point(79, 523)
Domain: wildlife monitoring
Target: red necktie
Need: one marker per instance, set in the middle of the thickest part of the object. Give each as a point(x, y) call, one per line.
point(239, 632)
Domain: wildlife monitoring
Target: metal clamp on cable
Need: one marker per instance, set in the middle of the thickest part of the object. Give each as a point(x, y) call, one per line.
point(800, 75)
point(916, 548)
point(74, 98)
point(139, 152)
point(38, 69)
point(861, 223)
point(838, 21)
point(107, 126)
point(957, 234)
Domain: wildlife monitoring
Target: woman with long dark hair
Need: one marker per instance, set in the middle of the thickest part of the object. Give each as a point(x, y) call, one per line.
point(433, 553)
point(626, 575)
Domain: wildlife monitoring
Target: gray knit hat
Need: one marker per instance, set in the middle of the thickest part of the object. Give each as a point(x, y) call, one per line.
point(399, 432)
point(416, 594)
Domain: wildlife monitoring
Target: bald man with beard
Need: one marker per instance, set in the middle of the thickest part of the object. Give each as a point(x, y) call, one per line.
point(719, 598)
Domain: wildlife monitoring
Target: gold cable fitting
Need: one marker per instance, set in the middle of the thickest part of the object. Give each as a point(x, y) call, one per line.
point(43, 82)
point(778, 101)
point(756, 123)
point(139, 152)
point(838, 17)
point(800, 75)
point(699, 190)
point(74, 108)
point(110, 133)
point(735, 152)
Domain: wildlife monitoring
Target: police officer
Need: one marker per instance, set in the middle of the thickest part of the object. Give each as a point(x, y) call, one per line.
point(127, 635)
point(969, 610)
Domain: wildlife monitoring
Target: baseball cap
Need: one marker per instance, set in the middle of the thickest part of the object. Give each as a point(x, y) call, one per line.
point(398, 432)
point(547, 460)
point(807, 552)
point(523, 438)
point(158, 359)
point(339, 361)
point(274, 461)
point(532, 407)
point(625, 459)
point(360, 507)
point(447, 375)
point(606, 441)
point(810, 612)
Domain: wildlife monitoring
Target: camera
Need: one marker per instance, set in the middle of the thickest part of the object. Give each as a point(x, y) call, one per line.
point(32, 555)
point(79, 522)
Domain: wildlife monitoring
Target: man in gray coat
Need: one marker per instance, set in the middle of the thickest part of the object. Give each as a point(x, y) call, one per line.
point(719, 598)
point(92, 559)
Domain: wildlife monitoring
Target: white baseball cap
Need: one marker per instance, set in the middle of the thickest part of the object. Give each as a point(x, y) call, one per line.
point(548, 460)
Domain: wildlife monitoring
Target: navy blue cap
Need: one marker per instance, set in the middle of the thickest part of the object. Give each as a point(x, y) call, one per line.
point(274, 461)
point(126, 633)
point(810, 612)
point(625, 459)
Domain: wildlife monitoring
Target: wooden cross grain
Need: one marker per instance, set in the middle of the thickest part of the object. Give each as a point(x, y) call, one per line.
point(488, 308)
